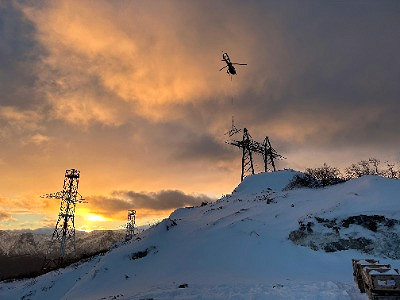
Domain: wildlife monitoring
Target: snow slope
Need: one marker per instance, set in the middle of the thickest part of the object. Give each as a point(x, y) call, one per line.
point(235, 248)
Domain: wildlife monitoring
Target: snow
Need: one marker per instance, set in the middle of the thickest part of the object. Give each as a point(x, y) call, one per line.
point(264, 181)
point(383, 272)
point(234, 248)
point(387, 283)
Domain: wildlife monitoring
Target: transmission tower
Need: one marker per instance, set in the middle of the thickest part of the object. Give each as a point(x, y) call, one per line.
point(250, 147)
point(65, 226)
point(269, 155)
point(247, 146)
point(130, 225)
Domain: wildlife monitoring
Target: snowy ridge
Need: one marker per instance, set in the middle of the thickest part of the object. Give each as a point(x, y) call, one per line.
point(235, 248)
point(30, 242)
point(22, 252)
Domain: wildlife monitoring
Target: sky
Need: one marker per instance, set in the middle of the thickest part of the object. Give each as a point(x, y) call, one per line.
point(130, 94)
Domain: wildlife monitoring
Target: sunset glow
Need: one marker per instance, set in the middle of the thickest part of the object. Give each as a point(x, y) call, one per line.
point(129, 93)
point(95, 218)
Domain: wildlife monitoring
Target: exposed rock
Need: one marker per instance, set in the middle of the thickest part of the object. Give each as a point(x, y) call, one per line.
point(369, 222)
point(144, 253)
point(381, 237)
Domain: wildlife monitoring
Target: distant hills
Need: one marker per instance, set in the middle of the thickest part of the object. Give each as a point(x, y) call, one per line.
point(22, 251)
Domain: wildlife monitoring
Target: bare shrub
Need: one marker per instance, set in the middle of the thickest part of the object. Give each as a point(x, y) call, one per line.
point(372, 166)
point(325, 175)
point(316, 178)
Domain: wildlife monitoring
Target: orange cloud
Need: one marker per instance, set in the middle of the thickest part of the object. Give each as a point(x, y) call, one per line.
point(138, 55)
point(16, 120)
point(28, 204)
point(5, 216)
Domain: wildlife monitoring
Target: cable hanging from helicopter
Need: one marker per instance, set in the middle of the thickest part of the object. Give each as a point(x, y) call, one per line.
point(231, 70)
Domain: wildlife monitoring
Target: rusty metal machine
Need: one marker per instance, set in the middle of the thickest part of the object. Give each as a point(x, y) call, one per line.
point(379, 281)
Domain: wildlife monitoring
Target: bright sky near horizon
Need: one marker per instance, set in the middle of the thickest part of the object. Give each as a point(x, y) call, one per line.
point(129, 93)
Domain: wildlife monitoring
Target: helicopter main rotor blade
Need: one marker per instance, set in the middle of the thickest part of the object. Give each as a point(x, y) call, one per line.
point(222, 68)
point(239, 64)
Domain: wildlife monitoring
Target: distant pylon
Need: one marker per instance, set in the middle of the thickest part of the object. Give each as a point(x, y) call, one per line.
point(130, 225)
point(65, 226)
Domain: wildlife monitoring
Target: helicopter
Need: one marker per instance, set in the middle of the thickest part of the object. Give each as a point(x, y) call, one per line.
point(231, 69)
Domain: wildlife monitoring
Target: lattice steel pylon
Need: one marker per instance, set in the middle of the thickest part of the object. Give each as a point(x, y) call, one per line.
point(269, 155)
point(246, 144)
point(130, 225)
point(250, 147)
point(64, 230)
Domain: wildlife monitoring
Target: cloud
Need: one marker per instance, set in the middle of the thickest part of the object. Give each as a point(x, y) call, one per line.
point(27, 204)
point(19, 52)
point(5, 216)
point(306, 76)
point(133, 88)
point(16, 120)
point(39, 138)
point(20, 105)
point(119, 49)
point(120, 201)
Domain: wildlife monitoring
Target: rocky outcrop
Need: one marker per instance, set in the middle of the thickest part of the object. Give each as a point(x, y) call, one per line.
point(370, 234)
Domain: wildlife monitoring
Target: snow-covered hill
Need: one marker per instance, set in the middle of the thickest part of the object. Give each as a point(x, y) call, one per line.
point(260, 242)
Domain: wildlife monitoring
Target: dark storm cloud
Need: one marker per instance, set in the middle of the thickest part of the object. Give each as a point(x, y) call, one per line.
point(162, 200)
point(333, 77)
point(345, 69)
point(203, 147)
point(19, 53)
point(22, 107)
point(328, 69)
point(188, 139)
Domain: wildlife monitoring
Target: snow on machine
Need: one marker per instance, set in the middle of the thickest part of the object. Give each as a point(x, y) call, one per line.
point(379, 281)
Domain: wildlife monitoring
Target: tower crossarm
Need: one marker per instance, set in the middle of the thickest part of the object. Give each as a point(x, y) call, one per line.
point(278, 156)
point(57, 195)
point(256, 147)
point(81, 199)
point(271, 151)
point(253, 146)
